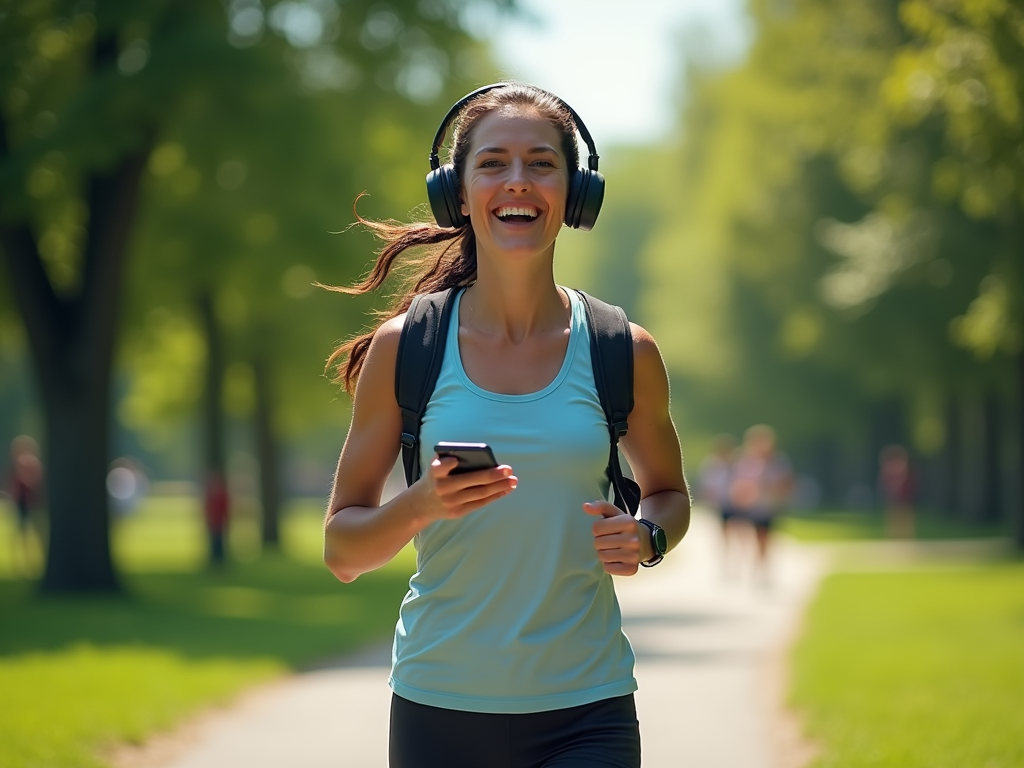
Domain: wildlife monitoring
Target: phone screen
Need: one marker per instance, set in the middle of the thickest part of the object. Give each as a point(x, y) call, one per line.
point(472, 456)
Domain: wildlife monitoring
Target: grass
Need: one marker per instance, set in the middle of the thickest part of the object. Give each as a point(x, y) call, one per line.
point(79, 674)
point(830, 525)
point(915, 669)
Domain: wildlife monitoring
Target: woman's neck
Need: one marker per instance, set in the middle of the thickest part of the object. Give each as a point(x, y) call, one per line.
point(514, 300)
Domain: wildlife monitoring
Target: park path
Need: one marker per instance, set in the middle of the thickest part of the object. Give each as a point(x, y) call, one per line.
point(708, 648)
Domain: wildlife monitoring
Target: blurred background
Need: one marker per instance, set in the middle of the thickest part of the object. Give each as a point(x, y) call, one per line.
point(817, 209)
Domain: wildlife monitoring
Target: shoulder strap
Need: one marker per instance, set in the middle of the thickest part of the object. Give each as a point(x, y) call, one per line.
point(420, 352)
point(611, 352)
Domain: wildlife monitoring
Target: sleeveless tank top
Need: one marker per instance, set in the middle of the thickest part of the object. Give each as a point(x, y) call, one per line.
point(509, 610)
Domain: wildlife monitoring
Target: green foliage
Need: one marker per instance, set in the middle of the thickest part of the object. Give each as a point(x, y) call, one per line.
point(847, 219)
point(262, 122)
point(915, 668)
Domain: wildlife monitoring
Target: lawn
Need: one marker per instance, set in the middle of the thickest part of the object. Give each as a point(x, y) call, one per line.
point(915, 669)
point(80, 674)
point(834, 525)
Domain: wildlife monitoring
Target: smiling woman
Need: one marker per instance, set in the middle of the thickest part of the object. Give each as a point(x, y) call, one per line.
point(511, 623)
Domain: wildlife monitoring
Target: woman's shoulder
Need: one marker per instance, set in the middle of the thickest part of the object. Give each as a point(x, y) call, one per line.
point(645, 348)
point(382, 355)
point(386, 337)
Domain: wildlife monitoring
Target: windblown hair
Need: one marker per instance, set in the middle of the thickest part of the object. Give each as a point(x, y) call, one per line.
point(447, 257)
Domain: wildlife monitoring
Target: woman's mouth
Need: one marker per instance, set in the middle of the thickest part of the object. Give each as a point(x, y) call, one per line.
point(517, 213)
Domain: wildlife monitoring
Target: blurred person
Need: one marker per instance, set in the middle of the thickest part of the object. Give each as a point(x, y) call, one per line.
point(25, 484)
point(217, 509)
point(762, 481)
point(511, 623)
point(127, 485)
point(896, 489)
point(714, 480)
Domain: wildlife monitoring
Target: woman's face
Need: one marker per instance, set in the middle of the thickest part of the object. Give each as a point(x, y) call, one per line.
point(514, 184)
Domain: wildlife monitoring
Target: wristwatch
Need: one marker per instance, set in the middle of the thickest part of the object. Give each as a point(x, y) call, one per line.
point(658, 540)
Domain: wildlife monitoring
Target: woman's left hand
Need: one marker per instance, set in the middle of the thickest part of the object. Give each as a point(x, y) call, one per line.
point(616, 538)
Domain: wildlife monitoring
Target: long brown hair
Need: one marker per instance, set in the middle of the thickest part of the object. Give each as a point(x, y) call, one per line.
point(447, 257)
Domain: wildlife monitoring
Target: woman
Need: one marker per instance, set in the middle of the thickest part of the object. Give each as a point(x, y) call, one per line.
point(762, 482)
point(509, 649)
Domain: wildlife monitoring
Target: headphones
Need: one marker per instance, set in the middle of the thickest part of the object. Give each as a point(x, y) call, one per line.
point(586, 185)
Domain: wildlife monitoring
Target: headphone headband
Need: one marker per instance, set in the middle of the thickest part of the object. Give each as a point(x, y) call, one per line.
point(435, 161)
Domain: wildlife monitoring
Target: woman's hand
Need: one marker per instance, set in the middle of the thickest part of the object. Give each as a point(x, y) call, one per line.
point(443, 496)
point(617, 538)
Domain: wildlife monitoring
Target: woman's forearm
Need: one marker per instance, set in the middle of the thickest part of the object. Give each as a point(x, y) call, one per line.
point(362, 539)
point(671, 511)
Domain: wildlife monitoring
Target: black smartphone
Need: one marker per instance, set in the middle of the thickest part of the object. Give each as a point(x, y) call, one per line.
point(472, 456)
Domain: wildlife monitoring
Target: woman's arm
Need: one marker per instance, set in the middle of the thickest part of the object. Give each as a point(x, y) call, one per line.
point(652, 446)
point(360, 534)
point(652, 449)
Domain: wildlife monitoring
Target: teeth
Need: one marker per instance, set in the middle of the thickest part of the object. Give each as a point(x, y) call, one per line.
point(509, 210)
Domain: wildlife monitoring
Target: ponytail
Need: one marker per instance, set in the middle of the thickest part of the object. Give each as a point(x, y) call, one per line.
point(449, 261)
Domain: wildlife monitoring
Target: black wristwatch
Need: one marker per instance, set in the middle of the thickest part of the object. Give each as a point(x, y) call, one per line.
point(658, 540)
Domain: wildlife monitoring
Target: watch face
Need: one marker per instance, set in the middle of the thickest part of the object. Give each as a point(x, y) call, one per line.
point(660, 541)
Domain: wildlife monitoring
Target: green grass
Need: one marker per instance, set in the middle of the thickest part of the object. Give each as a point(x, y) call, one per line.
point(830, 525)
point(915, 669)
point(78, 674)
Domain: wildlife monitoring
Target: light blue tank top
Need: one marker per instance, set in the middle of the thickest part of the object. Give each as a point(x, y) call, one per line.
point(509, 609)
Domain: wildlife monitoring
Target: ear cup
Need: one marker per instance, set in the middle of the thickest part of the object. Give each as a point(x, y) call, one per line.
point(586, 194)
point(443, 195)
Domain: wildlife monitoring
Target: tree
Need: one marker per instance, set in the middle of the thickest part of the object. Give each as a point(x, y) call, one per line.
point(847, 190)
point(95, 104)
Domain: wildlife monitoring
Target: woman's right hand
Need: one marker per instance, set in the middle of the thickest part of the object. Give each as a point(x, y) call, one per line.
point(444, 496)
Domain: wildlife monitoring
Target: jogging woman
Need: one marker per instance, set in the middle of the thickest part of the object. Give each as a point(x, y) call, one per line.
point(509, 649)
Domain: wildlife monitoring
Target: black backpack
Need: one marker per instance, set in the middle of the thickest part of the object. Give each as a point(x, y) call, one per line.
point(421, 350)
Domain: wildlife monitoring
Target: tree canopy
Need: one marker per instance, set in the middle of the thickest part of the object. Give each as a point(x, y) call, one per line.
point(158, 151)
point(847, 229)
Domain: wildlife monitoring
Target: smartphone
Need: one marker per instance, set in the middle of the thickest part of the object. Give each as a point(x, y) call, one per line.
point(472, 456)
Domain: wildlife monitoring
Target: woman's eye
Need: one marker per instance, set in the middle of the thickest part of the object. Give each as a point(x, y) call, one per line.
point(490, 164)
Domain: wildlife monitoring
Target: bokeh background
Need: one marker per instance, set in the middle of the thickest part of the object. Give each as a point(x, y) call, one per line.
point(817, 208)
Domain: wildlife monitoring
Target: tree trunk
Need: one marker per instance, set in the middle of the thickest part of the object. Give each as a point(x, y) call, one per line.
point(990, 507)
point(951, 459)
point(71, 340)
point(77, 458)
point(268, 454)
point(825, 466)
point(972, 478)
point(213, 427)
point(1019, 496)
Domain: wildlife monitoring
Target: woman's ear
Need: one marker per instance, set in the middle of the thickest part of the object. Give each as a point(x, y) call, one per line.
point(462, 205)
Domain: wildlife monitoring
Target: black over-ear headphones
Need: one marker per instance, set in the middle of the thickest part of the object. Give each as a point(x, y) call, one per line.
point(586, 185)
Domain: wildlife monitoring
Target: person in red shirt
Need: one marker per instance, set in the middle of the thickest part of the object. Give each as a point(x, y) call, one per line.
point(25, 484)
point(896, 490)
point(217, 505)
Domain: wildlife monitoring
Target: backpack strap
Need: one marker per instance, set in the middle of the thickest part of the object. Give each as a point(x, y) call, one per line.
point(420, 352)
point(611, 352)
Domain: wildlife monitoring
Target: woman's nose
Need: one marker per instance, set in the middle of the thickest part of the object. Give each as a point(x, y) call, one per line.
point(517, 179)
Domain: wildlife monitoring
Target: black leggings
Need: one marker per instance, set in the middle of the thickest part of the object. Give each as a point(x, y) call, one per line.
point(602, 734)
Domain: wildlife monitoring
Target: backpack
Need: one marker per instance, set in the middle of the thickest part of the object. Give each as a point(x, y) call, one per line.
point(421, 350)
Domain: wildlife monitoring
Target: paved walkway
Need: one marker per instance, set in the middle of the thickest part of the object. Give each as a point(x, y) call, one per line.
point(707, 651)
